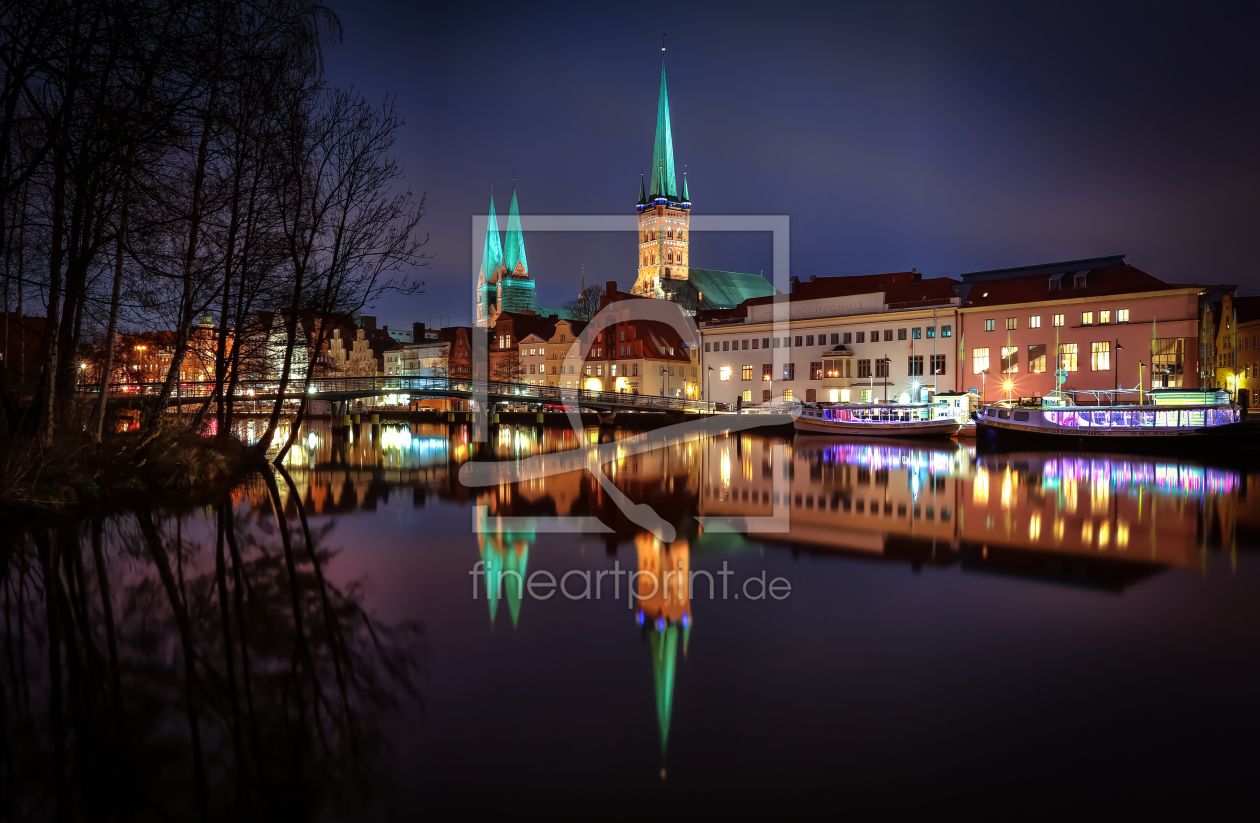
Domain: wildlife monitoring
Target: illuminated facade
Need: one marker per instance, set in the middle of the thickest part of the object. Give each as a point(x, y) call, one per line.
point(503, 280)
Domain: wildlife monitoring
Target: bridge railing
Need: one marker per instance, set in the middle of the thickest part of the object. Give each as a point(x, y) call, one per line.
point(499, 390)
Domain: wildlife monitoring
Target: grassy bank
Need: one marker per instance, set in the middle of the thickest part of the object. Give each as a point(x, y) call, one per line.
point(76, 474)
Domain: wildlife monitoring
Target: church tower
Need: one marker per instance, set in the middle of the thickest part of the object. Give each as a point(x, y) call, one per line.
point(664, 216)
point(491, 267)
point(503, 283)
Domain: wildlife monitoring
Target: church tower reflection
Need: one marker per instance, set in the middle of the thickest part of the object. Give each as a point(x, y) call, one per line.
point(665, 615)
point(506, 557)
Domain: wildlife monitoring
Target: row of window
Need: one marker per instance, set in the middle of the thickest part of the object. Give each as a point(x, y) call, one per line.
point(799, 340)
point(836, 502)
point(914, 368)
point(1168, 356)
point(1087, 319)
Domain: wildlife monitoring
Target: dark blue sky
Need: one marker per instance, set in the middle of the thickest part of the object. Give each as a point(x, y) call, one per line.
point(944, 136)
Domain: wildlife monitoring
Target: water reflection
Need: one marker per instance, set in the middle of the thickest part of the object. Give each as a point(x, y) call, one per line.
point(204, 660)
point(194, 664)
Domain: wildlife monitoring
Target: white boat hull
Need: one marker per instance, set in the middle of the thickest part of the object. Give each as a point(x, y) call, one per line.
point(916, 428)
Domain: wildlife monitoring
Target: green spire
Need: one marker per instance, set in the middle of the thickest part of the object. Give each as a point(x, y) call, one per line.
point(686, 194)
point(514, 246)
point(642, 191)
point(664, 664)
point(663, 184)
point(514, 583)
point(492, 256)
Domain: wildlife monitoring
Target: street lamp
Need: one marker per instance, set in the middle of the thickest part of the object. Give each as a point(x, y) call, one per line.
point(1008, 385)
point(663, 380)
point(710, 376)
point(984, 373)
point(1117, 368)
point(886, 376)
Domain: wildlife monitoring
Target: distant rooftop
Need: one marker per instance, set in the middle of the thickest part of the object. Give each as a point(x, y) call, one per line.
point(1084, 264)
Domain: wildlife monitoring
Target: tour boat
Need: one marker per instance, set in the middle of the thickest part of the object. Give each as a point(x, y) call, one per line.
point(1055, 421)
point(890, 420)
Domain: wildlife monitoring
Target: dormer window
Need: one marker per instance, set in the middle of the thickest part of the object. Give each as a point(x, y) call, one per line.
point(1078, 280)
point(1056, 282)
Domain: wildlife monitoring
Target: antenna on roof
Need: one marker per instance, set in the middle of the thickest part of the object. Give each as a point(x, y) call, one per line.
point(662, 46)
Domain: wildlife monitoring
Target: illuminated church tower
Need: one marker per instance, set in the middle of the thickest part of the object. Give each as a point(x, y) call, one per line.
point(664, 216)
point(503, 283)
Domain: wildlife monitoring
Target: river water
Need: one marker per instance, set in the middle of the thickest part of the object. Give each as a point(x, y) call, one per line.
point(746, 620)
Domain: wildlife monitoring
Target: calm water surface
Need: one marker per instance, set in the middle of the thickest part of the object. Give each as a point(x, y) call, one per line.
point(996, 634)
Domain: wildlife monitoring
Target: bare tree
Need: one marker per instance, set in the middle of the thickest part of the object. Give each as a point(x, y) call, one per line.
point(585, 306)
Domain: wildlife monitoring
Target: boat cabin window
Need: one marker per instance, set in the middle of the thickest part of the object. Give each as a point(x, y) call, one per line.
point(1021, 415)
point(991, 412)
point(1004, 413)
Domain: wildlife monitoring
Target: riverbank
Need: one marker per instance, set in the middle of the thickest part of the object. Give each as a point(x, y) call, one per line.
point(76, 474)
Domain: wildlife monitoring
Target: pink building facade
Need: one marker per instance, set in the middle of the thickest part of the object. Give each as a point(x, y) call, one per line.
point(1108, 325)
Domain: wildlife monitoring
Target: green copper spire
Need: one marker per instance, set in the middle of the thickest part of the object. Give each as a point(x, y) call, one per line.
point(514, 246)
point(642, 191)
point(492, 256)
point(664, 664)
point(663, 184)
point(686, 194)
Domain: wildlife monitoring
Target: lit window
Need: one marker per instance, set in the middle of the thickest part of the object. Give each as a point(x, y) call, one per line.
point(844, 395)
point(988, 325)
point(1104, 316)
point(1122, 315)
point(1100, 356)
point(834, 395)
point(745, 372)
point(1034, 322)
point(1058, 320)
point(747, 395)
point(724, 373)
point(979, 360)
point(1087, 318)
point(947, 331)
point(787, 395)
point(1067, 356)
point(1012, 324)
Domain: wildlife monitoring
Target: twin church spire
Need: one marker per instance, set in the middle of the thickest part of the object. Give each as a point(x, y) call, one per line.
point(503, 283)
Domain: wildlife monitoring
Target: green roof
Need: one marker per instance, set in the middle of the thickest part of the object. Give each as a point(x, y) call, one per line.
point(642, 191)
point(514, 246)
point(492, 255)
point(663, 184)
point(686, 194)
point(727, 289)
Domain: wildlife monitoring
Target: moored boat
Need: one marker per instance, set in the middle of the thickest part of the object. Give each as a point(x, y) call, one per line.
point(1058, 422)
point(873, 420)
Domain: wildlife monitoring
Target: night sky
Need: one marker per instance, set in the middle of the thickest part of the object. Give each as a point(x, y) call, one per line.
point(948, 137)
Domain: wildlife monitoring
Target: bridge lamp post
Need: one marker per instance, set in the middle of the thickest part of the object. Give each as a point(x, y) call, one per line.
point(662, 381)
point(710, 376)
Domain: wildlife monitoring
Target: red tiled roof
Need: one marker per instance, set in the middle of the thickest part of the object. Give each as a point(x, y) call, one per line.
point(855, 284)
point(1098, 283)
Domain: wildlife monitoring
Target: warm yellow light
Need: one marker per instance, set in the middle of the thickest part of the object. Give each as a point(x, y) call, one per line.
point(594, 385)
point(1008, 385)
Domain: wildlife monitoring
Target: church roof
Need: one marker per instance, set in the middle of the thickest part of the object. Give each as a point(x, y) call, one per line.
point(686, 193)
point(663, 183)
point(492, 255)
point(514, 246)
point(727, 289)
point(642, 191)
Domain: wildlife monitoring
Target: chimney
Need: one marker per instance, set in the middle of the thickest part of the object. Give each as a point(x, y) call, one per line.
point(417, 332)
point(368, 322)
point(793, 282)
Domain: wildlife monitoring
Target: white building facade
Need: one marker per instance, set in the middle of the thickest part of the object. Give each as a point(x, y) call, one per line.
point(856, 348)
